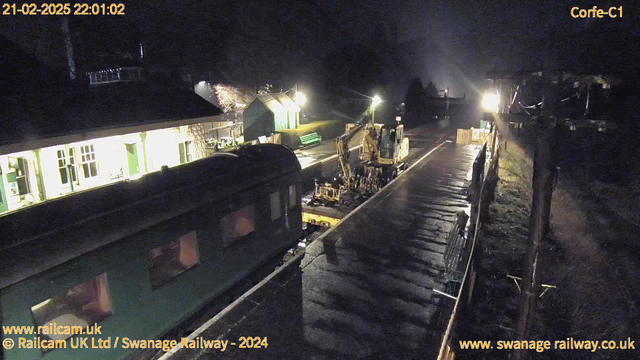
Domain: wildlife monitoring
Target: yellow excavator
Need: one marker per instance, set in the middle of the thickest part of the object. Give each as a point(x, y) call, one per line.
point(384, 149)
point(383, 152)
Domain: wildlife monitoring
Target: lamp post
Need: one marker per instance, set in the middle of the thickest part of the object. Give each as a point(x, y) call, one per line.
point(301, 99)
point(375, 101)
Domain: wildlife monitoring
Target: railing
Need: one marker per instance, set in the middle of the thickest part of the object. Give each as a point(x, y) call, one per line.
point(454, 253)
point(481, 190)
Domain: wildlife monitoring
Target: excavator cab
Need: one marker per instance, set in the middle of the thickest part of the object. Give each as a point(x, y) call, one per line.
point(392, 144)
point(388, 146)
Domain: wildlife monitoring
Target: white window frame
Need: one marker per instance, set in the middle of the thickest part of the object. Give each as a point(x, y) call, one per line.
point(87, 157)
point(68, 163)
point(188, 155)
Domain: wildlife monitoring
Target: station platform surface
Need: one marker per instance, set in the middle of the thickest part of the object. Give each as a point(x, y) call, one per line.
point(364, 288)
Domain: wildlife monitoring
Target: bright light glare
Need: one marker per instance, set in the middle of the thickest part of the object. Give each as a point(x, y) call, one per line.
point(300, 98)
point(201, 83)
point(490, 102)
point(376, 101)
point(38, 306)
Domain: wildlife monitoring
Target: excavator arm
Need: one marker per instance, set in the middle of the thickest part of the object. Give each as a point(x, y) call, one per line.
point(342, 147)
point(327, 191)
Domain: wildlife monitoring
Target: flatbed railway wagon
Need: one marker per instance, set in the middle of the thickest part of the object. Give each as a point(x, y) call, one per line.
point(138, 257)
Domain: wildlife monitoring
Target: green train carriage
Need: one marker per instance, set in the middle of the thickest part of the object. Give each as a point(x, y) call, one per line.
point(138, 257)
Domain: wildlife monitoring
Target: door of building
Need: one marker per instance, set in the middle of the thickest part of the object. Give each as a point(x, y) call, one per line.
point(132, 159)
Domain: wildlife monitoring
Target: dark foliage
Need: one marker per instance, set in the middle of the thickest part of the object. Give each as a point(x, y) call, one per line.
point(414, 102)
point(431, 90)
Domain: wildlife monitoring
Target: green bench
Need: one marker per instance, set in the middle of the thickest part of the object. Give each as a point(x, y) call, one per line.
point(310, 139)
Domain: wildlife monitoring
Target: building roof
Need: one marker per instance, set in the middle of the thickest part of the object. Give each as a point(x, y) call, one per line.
point(277, 102)
point(32, 117)
point(23, 73)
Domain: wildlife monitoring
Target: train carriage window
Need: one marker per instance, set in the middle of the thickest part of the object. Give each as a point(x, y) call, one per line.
point(81, 306)
point(276, 212)
point(237, 225)
point(172, 259)
point(293, 200)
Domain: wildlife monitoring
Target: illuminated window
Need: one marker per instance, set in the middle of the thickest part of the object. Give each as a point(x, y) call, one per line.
point(22, 176)
point(185, 152)
point(275, 205)
point(293, 200)
point(81, 306)
point(88, 161)
point(172, 259)
point(66, 167)
point(237, 225)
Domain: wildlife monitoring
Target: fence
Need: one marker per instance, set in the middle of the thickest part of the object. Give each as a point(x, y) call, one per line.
point(481, 192)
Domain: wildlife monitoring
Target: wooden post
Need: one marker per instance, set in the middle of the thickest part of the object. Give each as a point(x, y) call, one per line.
point(543, 179)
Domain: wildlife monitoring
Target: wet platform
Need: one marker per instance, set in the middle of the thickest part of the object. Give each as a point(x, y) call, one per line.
point(364, 289)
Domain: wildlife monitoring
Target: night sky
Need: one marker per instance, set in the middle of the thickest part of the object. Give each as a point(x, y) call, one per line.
point(452, 43)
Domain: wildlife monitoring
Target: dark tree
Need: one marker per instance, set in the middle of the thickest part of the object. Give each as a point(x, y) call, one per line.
point(432, 90)
point(414, 102)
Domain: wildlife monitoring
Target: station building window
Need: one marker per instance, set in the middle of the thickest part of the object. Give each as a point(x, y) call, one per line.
point(80, 307)
point(88, 161)
point(185, 152)
point(172, 259)
point(293, 199)
point(237, 225)
point(22, 176)
point(66, 167)
point(274, 200)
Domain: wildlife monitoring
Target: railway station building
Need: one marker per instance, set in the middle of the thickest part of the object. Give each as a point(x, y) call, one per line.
point(268, 114)
point(55, 145)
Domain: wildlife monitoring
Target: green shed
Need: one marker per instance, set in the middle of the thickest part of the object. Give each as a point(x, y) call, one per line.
point(270, 113)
